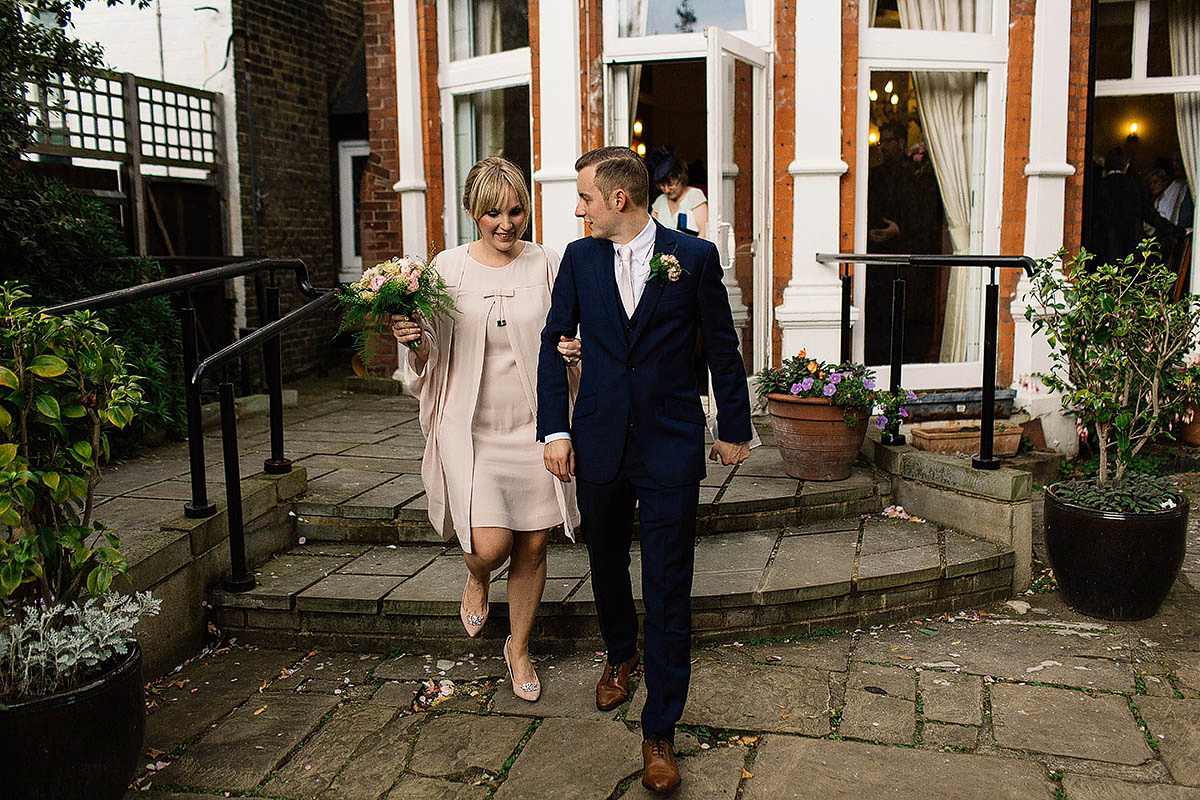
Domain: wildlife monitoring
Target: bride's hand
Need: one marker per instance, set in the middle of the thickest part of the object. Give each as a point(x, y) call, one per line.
point(407, 330)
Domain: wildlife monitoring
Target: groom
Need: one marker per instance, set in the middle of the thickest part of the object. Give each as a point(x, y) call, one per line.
point(637, 432)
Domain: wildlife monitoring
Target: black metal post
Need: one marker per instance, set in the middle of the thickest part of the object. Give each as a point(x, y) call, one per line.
point(272, 365)
point(891, 434)
point(987, 417)
point(200, 506)
point(241, 580)
point(847, 298)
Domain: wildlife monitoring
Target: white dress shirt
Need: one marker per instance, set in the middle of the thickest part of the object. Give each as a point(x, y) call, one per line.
point(642, 246)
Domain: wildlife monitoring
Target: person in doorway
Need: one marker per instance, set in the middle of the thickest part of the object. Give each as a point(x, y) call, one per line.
point(637, 293)
point(680, 207)
point(472, 372)
point(1123, 205)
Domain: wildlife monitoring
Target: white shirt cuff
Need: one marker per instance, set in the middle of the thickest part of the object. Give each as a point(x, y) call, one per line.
point(554, 437)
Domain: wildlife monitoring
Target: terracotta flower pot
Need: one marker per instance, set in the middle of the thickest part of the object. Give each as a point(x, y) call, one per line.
point(813, 437)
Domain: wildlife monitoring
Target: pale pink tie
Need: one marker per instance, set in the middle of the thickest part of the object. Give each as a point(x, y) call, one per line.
point(625, 278)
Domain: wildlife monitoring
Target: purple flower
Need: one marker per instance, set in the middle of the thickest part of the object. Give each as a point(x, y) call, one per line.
point(868, 383)
point(882, 422)
point(835, 377)
point(829, 390)
point(904, 413)
point(806, 384)
point(909, 395)
point(796, 388)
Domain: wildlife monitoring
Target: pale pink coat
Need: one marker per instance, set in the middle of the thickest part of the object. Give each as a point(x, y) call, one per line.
point(447, 465)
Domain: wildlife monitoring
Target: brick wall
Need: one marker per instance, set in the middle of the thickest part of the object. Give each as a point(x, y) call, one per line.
point(294, 55)
point(784, 142)
point(535, 110)
point(591, 76)
point(1016, 156)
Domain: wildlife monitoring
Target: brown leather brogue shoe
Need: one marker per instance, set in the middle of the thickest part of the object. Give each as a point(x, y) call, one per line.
point(661, 774)
point(613, 688)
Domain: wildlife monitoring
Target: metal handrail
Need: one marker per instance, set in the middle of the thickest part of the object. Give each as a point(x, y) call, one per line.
point(985, 459)
point(241, 579)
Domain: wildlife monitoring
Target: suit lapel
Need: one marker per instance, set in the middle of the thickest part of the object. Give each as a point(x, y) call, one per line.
point(654, 289)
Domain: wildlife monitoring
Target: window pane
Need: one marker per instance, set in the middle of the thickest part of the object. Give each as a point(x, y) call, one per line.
point(974, 16)
point(924, 184)
point(491, 123)
point(483, 27)
point(358, 165)
point(1114, 41)
point(652, 17)
point(1158, 54)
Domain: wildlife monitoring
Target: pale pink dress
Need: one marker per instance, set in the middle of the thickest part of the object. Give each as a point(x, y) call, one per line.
point(483, 465)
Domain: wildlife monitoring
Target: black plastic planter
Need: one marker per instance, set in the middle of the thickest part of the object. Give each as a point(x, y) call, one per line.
point(80, 745)
point(1113, 565)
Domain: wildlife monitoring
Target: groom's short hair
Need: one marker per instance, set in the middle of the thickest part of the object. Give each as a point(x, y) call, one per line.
point(618, 168)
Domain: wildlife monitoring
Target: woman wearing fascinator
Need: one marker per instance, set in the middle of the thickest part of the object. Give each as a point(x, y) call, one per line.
point(680, 207)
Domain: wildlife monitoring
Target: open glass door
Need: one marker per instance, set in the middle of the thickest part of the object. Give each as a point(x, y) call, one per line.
point(738, 121)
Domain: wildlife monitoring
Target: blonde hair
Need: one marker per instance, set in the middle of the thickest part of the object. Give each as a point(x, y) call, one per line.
point(485, 186)
point(618, 168)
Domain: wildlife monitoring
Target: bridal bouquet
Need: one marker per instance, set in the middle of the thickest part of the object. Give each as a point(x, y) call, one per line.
point(405, 285)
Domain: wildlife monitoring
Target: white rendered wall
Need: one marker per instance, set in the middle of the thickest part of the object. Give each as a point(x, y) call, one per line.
point(810, 313)
point(558, 110)
point(1045, 203)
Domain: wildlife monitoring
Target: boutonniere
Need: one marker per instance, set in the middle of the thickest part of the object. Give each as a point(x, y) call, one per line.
point(666, 266)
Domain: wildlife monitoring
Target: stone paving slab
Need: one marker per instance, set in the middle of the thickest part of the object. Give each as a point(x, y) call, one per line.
point(384, 500)
point(890, 681)
point(1086, 787)
point(567, 561)
point(436, 589)
point(412, 787)
point(410, 667)
point(206, 690)
point(403, 561)
point(783, 699)
point(1069, 723)
point(326, 671)
point(952, 697)
point(734, 551)
point(453, 743)
point(878, 718)
point(314, 766)
point(881, 535)
point(1061, 654)
point(1175, 725)
point(830, 770)
point(745, 494)
point(613, 753)
point(347, 594)
point(387, 466)
point(377, 762)
point(327, 491)
point(938, 734)
point(966, 556)
point(240, 752)
point(278, 581)
point(817, 565)
point(894, 568)
point(396, 447)
point(819, 652)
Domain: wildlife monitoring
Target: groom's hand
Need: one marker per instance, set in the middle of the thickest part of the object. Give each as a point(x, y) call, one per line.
point(729, 453)
point(560, 459)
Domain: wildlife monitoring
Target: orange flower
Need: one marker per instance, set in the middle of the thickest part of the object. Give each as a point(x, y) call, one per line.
point(812, 366)
point(801, 354)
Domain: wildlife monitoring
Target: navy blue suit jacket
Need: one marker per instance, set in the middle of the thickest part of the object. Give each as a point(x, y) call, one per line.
point(641, 374)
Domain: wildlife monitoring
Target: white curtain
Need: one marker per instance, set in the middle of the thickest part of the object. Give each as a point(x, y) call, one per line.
point(946, 106)
point(1183, 25)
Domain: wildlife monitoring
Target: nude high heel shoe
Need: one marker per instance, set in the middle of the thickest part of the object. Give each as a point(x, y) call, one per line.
point(528, 692)
point(472, 622)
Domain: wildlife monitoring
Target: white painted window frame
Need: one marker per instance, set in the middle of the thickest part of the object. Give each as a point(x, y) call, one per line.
point(468, 76)
point(760, 22)
point(1139, 83)
point(891, 49)
point(347, 150)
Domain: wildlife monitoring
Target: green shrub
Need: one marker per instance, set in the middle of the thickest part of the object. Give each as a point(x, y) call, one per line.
point(61, 246)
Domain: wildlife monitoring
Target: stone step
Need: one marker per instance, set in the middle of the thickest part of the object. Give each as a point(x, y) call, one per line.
point(769, 581)
point(352, 505)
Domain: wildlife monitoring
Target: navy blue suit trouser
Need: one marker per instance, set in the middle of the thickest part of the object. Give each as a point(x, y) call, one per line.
point(667, 519)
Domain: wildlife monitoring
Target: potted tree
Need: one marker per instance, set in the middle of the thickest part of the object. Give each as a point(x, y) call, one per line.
point(1118, 341)
point(819, 413)
point(72, 712)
